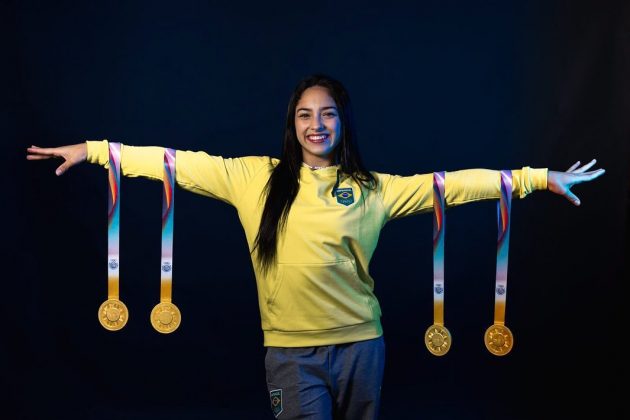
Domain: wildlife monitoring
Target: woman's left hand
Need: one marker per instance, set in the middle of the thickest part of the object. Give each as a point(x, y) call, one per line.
point(561, 182)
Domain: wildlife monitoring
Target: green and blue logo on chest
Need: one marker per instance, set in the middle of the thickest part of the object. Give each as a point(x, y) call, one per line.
point(344, 196)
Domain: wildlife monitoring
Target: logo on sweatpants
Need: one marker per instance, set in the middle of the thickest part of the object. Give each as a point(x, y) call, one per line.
point(276, 401)
point(344, 196)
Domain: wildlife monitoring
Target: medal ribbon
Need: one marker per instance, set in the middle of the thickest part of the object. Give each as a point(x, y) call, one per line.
point(438, 247)
point(503, 244)
point(168, 208)
point(113, 219)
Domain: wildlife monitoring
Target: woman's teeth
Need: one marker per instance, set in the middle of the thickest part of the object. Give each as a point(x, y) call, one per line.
point(318, 138)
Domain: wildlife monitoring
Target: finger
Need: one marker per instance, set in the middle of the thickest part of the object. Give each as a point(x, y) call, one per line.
point(572, 198)
point(587, 176)
point(41, 155)
point(575, 165)
point(37, 157)
point(41, 151)
point(63, 168)
point(586, 167)
point(594, 174)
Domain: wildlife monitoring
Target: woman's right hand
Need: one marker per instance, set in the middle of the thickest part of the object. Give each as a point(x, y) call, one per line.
point(73, 155)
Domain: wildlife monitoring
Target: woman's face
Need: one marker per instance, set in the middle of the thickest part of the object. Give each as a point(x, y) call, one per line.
point(317, 126)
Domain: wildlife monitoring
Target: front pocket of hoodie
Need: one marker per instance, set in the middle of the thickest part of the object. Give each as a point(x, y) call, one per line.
point(309, 297)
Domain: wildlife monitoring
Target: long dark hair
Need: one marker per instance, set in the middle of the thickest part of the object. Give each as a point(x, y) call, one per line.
point(283, 184)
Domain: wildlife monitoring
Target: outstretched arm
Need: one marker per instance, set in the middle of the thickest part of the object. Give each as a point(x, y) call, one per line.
point(408, 195)
point(561, 182)
point(198, 172)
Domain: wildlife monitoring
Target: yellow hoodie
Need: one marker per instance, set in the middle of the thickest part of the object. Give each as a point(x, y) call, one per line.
point(320, 292)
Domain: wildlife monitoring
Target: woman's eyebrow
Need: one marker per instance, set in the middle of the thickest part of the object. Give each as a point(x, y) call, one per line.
point(309, 109)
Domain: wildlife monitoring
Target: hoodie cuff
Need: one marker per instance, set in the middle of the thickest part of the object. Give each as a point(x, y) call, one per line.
point(533, 179)
point(98, 152)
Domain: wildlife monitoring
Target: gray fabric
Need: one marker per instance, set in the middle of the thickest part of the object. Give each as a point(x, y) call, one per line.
point(341, 381)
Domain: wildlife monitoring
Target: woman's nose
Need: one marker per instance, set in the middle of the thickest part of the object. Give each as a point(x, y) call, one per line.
point(317, 123)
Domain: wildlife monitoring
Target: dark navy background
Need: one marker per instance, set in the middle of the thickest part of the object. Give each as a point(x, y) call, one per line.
point(438, 85)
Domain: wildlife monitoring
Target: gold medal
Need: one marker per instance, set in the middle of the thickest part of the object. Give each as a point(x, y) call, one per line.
point(498, 339)
point(113, 314)
point(165, 317)
point(437, 339)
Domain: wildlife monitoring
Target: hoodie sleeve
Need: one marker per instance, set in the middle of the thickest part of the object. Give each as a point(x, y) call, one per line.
point(407, 195)
point(198, 172)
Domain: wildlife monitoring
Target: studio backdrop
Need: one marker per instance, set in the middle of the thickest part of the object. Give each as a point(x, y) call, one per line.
point(436, 86)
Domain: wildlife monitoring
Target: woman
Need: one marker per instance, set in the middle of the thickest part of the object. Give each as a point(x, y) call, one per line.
point(312, 221)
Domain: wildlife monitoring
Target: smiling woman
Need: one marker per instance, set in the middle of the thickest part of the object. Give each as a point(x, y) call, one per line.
point(312, 241)
point(319, 134)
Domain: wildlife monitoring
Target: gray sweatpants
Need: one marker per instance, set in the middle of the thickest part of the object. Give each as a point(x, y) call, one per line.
point(341, 381)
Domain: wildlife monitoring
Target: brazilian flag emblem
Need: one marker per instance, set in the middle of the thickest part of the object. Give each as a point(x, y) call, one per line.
point(344, 196)
point(276, 401)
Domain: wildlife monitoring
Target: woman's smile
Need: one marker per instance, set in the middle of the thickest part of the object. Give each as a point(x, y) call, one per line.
point(317, 138)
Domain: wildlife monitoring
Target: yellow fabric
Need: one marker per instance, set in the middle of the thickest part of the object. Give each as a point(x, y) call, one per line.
point(320, 291)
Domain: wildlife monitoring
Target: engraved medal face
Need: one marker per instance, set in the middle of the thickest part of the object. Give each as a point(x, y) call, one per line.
point(165, 317)
point(498, 339)
point(113, 314)
point(437, 339)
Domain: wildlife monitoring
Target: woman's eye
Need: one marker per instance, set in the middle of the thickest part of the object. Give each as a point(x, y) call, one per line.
point(303, 116)
point(330, 114)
